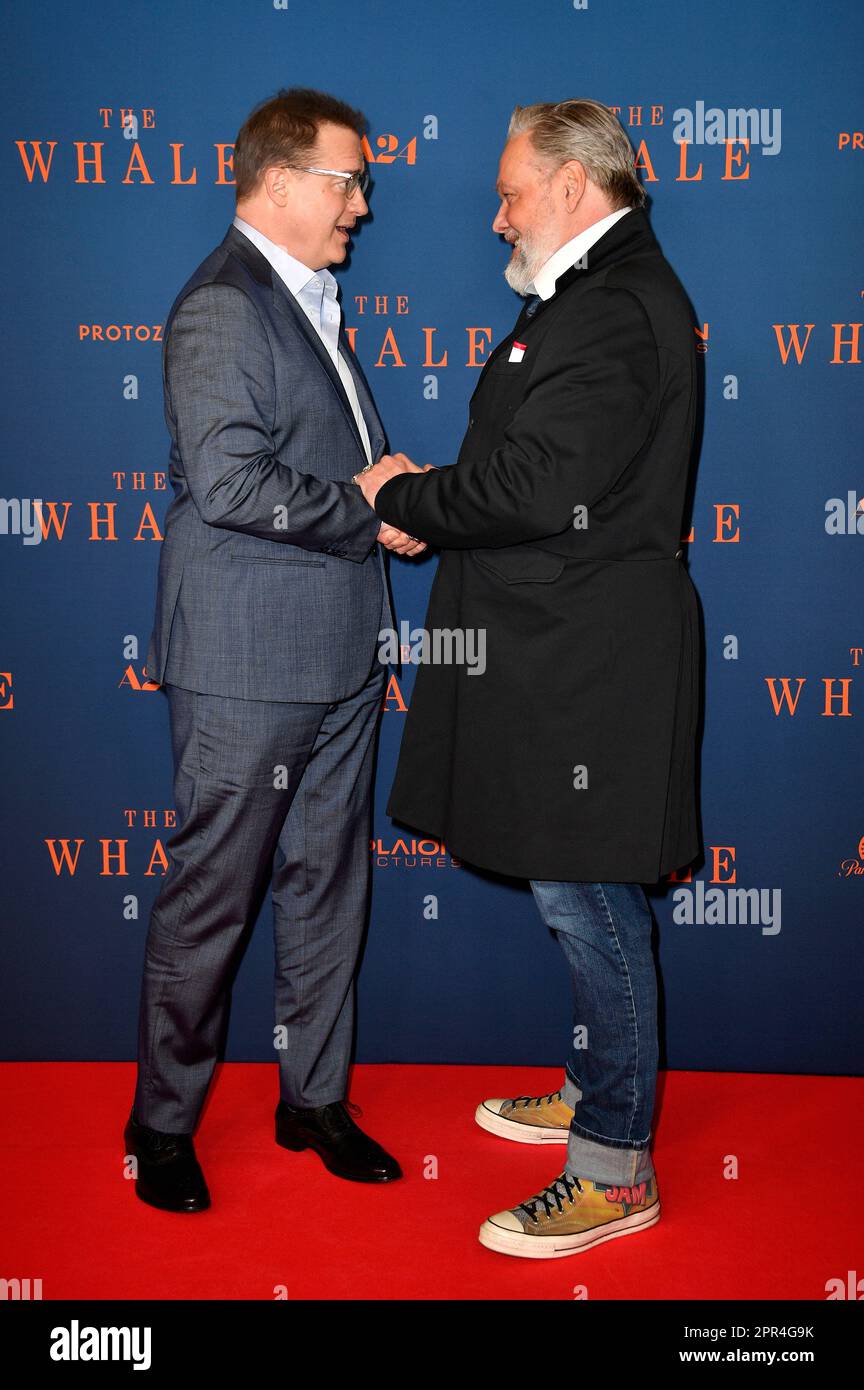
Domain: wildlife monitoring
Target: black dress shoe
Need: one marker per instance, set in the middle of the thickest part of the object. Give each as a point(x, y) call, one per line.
point(169, 1175)
point(342, 1145)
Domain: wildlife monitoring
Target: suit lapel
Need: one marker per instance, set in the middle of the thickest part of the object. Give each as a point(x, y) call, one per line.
point(522, 322)
point(496, 352)
point(364, 396)
point(286, 305)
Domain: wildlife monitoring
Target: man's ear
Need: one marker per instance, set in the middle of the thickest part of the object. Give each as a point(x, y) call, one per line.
point(277, 182)
point(575, 180)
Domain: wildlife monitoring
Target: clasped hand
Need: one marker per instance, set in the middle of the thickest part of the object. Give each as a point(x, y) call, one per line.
point(390, 466)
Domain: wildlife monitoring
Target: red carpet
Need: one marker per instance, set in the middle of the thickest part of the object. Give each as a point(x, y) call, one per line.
point(790, 1222)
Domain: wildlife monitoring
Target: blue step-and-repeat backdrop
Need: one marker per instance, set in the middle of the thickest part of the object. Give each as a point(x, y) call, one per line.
point(746, 120)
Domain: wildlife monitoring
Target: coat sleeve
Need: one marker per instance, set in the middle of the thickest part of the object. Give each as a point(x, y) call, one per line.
point(586, 414)
point(220, 390)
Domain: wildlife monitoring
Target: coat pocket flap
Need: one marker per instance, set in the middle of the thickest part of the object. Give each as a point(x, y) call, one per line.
point(521, 565)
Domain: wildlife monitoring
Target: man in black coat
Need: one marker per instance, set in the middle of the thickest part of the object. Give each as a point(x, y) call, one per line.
point(570, 759)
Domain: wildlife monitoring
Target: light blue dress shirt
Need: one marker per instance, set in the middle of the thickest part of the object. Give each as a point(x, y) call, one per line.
point(315, 292)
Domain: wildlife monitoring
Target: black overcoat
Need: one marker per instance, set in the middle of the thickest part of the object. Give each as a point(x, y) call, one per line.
point(572, 756)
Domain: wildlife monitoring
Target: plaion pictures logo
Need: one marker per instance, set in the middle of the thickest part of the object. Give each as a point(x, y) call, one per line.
point(852, 866)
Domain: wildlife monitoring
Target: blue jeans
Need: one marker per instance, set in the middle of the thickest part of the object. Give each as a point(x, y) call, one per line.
point(604, 930)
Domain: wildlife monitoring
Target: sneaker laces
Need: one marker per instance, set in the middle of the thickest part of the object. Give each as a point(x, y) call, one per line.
point(550, 1194)
point(535, 1100)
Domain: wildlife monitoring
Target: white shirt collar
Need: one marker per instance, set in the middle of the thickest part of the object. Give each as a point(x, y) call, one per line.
point(294, 273)
point(571, 252)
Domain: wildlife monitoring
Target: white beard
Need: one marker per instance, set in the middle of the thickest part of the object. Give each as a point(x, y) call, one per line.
point(527, 259)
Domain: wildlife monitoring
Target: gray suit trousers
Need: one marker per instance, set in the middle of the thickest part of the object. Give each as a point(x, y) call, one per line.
point(241, 824)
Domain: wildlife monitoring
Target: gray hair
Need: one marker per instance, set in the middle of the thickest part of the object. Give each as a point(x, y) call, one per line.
point(588, 131)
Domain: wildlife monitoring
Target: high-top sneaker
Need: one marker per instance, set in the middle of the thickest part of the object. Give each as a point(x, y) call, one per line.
point(570, 1215)
point(527, 1119)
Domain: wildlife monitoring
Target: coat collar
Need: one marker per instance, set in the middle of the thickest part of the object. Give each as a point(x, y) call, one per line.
point(629, 236)
point(626, 237)
point(576, 249)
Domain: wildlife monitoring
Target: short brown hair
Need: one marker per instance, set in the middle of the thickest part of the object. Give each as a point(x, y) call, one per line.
point(588, 131)
point(282, 128)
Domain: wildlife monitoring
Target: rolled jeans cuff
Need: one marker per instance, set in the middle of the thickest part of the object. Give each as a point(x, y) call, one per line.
point(570, 1091)
point(601, 1163)
point(604, 1163)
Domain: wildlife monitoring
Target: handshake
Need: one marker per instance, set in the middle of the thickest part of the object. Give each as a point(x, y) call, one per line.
point(370, 478)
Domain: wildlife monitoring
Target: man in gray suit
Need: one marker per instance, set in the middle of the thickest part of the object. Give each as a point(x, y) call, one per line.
point(271, 596)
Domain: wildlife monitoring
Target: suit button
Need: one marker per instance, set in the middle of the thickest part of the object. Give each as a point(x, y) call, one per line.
point(678, 554)
point(471, 423)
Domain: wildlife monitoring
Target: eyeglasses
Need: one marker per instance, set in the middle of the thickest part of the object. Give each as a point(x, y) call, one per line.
point(359, 178)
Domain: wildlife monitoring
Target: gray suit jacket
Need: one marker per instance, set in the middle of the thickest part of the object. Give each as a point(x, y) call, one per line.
point(259, 422)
